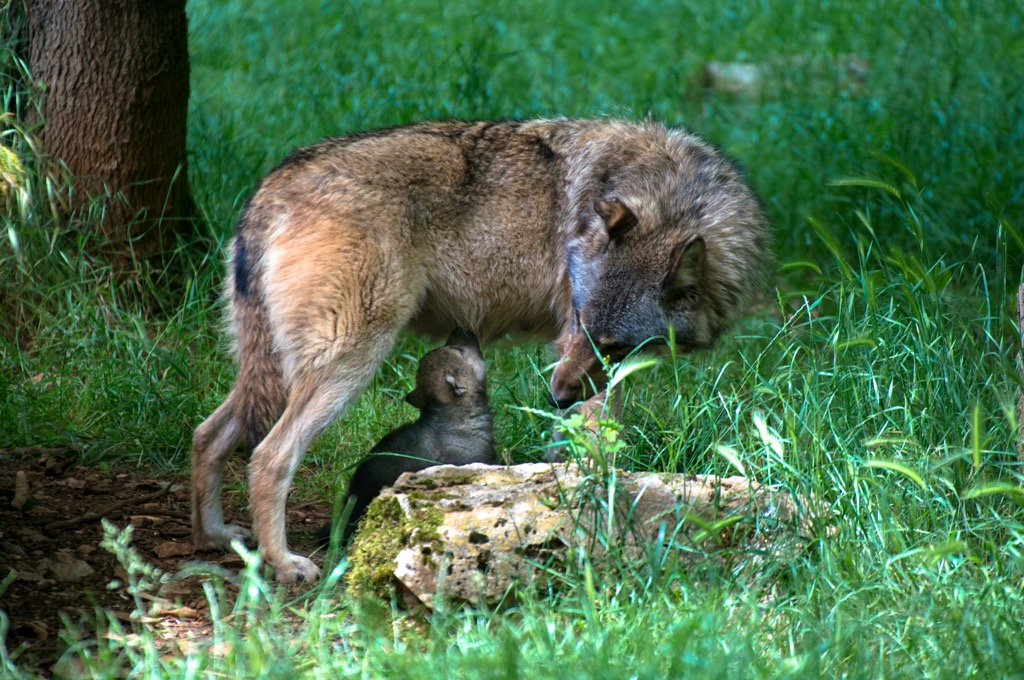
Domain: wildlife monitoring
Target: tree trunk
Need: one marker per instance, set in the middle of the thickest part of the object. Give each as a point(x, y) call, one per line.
point(1020, 367)
point(115, 99)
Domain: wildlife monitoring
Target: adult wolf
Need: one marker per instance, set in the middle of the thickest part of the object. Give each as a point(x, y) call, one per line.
point(596, 234)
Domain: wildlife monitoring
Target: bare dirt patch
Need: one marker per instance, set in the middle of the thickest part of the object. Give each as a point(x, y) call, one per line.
point(55, 570)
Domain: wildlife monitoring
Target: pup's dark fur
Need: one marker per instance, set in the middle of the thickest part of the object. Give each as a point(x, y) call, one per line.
point(591, 233)
point(454, 428)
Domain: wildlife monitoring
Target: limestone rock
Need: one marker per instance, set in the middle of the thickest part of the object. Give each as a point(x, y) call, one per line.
point(472, 531)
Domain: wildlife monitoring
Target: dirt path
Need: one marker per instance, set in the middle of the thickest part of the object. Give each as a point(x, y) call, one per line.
point(51, 561)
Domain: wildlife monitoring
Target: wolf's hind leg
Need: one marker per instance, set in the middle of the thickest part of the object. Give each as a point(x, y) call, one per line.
point(314, 402)
point(214, 440)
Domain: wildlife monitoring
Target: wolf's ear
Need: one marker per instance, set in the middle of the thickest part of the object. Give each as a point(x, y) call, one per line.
point(462, 338)
point(415, 399)
point(686, 264)
point(457, 389)
point(618, 219)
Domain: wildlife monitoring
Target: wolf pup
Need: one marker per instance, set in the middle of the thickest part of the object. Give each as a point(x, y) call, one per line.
point(455, 426)
point(596, 234)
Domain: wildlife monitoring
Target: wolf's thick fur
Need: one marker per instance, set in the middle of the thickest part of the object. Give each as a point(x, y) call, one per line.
point(455, 426)
point(594, 234)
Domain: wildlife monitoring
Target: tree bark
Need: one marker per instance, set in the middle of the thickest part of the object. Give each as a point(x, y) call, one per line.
point(1020, 367)
point(115, 85)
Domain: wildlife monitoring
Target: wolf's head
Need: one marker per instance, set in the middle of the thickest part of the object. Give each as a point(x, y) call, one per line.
point(673, 238)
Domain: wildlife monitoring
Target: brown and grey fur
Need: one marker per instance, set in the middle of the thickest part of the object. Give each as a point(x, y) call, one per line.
point(588, 233)
point(455, 426)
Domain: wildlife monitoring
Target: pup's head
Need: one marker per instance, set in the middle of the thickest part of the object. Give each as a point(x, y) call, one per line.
point(452, 374)
point(675, 239)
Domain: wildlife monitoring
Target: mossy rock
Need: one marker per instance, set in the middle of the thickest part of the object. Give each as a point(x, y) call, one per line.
point(473, 533)
point(385, 531)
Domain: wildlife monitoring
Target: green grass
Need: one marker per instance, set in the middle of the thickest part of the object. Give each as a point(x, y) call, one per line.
point(877, 374)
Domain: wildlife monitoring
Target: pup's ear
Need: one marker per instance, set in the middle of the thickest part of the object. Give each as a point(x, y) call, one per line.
point(618, 219)
point(462, 338)
point(415, 399)
point(457, 389)
point(686, 263)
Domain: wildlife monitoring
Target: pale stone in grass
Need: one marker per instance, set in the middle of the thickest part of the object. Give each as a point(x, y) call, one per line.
point(21, 493)
point(473, 531)
point(173, 549)
point(67, 569)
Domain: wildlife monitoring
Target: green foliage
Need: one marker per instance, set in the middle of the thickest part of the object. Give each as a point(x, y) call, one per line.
point(878, 377)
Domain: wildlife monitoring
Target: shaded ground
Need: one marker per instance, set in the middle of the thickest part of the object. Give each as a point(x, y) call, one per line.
point(52, 565)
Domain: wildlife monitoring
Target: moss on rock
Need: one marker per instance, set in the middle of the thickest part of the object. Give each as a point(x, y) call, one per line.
point(383, 532)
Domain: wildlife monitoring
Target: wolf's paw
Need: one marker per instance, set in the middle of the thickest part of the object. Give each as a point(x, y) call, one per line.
point(219, 538)
point(296, 568)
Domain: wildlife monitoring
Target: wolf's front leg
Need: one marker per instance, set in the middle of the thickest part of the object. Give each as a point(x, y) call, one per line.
point(597, 407)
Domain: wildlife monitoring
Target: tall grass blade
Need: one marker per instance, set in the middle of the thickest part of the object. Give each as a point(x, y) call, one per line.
point(902, 469)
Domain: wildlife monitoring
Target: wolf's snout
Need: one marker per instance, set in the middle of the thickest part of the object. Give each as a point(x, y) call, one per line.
point(576, 378)
point(561, 403)
point(566, 387)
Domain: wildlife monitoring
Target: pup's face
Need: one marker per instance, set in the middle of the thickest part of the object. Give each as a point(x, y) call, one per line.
point(451, 374)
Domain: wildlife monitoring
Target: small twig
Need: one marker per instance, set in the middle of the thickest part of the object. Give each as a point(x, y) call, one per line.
point(37, 452)
point(93, 516)
point(175, 531)
point(160, 512)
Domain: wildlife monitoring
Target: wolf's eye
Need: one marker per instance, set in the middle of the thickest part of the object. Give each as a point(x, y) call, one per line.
point(615, 350)
point(683, 295)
